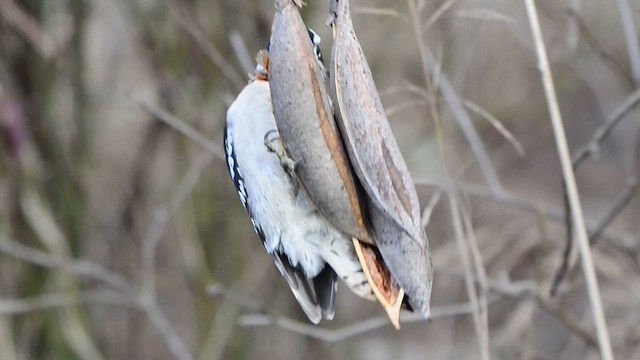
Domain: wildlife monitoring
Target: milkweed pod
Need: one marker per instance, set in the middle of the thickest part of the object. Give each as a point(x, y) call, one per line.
point(304, 117)
point(375, 156)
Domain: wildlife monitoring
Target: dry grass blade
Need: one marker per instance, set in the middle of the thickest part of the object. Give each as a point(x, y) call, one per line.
point(497, 124)
point(569, 177)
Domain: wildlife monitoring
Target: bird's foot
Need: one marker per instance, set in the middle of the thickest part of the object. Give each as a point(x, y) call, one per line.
point(274, 144)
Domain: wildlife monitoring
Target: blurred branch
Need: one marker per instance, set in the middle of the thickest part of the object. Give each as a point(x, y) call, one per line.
point(601, 133)
point(217, 58)
point(242, 53)
point(590, 149)
point(593, 43)
point(378, 11)
point(350, 331)
point(163, 216)
point(631, 38)
point(573, 28)
point(623, 200)
point(150, 242)
point(431, 68)
point(93, 271)
point(29, 28)
point(497, 124)
point(52, 301)
point(620, 204)
point(569, 178)
point(165, 328)
point(572, 325)
point(481, 275)
point(82, 268)
point(437, 14)
point(528, 289)
point(468, 275)
point(520, 203)
point(428, 210)
point(233, 294)
point(178, 125)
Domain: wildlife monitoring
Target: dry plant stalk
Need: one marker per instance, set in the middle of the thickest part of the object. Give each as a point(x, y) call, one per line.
point(376, 158)
point(572, 191)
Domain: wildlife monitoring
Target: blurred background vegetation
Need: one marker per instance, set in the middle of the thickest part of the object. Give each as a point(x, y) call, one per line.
point(120, 238)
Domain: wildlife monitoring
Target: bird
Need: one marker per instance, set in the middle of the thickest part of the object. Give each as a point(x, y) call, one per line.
point(309, 252)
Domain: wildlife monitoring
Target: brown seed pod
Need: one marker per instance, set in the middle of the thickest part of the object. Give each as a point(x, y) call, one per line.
point(375, 156)
point(304, 117)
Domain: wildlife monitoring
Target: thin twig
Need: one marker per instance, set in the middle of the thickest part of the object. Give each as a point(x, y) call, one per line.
point(163, 216)
point(594, 44)
point(178, 125)
point(188, 23)
point(592, 147)
point(569, 177)
point(29, 28)
point(350, 331)
point(81, 268)
point(378, 11)
point(428, 210)
point(573, 28)
point(481, 274)
point(468, 273)
point(571, 324)
point(437, 14)
point(567, 263)
point(466, 125)
point(623, 200)
point(96, 272)
point(431, 67)
point(53, 301)
point(242, 53)
point(166, 330)
point(536, 207)
point(631, 38)
point(497, 124)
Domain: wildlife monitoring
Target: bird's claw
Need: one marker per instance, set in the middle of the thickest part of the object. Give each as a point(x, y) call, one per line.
point(274, 145)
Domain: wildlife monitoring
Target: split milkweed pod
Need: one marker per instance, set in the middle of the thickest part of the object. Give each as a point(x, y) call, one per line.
point(304, 117)
point(392, 199)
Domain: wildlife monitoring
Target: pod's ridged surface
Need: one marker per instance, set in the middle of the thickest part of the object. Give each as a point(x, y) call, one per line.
point(376, 159)
point(305, 121)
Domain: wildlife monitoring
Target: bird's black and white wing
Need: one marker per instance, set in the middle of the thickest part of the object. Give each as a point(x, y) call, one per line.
point(266, 192)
